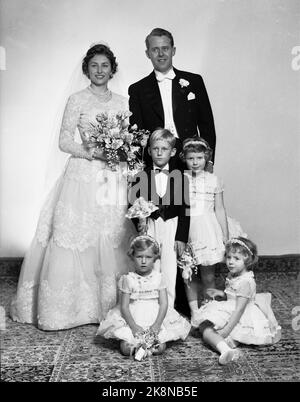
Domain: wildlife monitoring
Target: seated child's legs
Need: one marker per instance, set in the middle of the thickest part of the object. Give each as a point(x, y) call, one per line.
point(207, 278)
point(210, 336)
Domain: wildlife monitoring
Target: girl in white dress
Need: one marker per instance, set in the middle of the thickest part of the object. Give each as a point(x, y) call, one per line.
point(243, 317)
point(69, 275)
point(144, 303)
point(209, 226)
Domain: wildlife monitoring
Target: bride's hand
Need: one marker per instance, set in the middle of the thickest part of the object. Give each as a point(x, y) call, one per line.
point(98, 154)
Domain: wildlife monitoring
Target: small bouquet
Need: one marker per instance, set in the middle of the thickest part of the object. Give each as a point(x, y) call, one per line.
point(147, 342)
point(141, 209)
point(119, 143)
point(187, 263)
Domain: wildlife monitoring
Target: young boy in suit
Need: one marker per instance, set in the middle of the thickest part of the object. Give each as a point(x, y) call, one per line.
point(167, 188)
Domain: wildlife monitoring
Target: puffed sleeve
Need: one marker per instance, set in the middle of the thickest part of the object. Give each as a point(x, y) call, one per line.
point(219, 186)
point(244, 289)
point(67, 132)
point(123, 284)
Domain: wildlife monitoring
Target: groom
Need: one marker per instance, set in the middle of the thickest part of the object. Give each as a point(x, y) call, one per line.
point(170, 98)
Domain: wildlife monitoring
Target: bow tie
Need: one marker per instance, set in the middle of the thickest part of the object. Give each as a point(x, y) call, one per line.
point(160, 76)
point(158, 170)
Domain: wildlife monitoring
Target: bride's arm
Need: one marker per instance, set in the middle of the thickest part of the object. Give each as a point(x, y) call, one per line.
point(67, 131)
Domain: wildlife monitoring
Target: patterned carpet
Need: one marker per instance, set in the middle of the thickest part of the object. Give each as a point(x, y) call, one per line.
point(31, 355)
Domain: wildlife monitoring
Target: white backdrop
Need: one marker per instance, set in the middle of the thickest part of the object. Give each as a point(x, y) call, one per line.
point(242, 48)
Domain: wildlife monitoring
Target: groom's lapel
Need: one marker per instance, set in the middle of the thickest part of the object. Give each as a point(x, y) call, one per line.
point(152, 94)
point(178, 93)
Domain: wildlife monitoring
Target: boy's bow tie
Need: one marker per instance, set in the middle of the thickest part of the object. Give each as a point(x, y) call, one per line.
point(160, 76)
point(158, 170)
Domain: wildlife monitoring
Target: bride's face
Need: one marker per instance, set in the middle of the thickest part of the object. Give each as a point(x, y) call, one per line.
point(99, 70)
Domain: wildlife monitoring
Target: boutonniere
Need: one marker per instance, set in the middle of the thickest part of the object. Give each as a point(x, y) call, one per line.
point(183, 83)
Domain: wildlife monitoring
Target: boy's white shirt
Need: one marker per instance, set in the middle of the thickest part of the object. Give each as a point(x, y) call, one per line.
point(161, 180)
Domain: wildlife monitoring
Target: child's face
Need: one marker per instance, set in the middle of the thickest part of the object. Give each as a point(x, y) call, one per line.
point(161, 152)
point(235, 262)
point(144, 261)
point(195, 161)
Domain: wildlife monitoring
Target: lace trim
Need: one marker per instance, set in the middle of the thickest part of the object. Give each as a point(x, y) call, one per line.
point(24, 307)
point(82, 230)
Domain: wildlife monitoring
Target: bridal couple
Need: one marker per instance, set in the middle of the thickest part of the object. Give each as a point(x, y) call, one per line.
point(69, 274)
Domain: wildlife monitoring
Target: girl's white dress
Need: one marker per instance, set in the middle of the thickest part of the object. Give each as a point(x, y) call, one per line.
point(144, 307)
point(69, 275)
point(205, 234)
point(257, 325)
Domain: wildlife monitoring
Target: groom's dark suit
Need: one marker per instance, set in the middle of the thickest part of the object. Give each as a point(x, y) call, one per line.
point(192, 112)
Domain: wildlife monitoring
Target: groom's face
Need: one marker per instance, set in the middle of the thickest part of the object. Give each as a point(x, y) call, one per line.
point(161, 53)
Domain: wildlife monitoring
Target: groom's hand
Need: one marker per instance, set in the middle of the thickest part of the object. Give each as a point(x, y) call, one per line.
point(209, 167)
point(179, 247)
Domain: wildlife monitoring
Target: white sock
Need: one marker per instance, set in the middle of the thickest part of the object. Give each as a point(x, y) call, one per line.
point(222, 347)
point(193, 305)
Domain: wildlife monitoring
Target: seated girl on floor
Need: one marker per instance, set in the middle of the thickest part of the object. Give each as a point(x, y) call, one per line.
point(142, 321)
point(244, 316)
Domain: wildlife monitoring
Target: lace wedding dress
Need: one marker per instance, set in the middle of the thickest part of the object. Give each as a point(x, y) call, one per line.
point(69, 275)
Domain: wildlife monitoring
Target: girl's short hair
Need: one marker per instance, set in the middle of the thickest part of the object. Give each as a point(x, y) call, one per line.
point(162, 134)
point(142, 243)
point(196, 144)
point(244, 246)
point(99, 49)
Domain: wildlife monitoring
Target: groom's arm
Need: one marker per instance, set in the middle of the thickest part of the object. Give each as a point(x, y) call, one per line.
point(205, 119)
point(135, 107)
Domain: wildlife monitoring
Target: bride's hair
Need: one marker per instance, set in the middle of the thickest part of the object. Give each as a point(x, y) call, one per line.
point(96, 50)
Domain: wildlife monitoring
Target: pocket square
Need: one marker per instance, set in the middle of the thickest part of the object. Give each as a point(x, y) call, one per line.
point(191, 96)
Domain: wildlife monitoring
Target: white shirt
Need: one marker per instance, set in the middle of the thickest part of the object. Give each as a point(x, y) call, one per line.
point(161, 180)
point(165, 88)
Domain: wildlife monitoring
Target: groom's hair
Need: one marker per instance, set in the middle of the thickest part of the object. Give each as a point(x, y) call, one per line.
point(159, 32)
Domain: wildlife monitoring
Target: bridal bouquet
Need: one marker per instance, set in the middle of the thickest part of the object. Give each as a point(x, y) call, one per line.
point(187, 263)
point(146, 342)
point(119, 143)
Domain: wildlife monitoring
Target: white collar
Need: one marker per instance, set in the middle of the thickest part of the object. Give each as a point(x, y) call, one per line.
point(166, 167)
point(161, 76)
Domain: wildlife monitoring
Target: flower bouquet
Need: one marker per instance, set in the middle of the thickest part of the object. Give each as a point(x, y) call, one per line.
point(187, 263)
point(141, 209)
point(146, 343)
point(111, 134)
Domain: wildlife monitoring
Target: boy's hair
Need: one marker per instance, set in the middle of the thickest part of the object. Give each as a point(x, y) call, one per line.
point(162, 134)
point(143, 242)
point(196, 144)
point(159, 32)
point(244, 246)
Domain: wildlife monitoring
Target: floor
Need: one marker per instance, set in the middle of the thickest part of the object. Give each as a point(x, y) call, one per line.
point(31, 355)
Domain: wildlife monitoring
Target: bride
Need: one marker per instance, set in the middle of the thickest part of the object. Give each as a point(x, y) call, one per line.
point(68, 277)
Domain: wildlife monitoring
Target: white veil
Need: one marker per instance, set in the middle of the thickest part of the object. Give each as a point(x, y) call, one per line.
point(56, 159)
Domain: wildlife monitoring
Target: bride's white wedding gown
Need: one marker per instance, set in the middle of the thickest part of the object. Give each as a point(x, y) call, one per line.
point(69, 274)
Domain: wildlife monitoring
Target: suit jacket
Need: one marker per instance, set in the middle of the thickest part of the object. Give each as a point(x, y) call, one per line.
point(175, 201)
point(191, 117)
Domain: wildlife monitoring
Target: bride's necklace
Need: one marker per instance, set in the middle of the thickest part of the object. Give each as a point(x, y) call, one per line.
point(105, 97)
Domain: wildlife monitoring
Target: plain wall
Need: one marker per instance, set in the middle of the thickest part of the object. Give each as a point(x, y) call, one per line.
point(243, 49)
